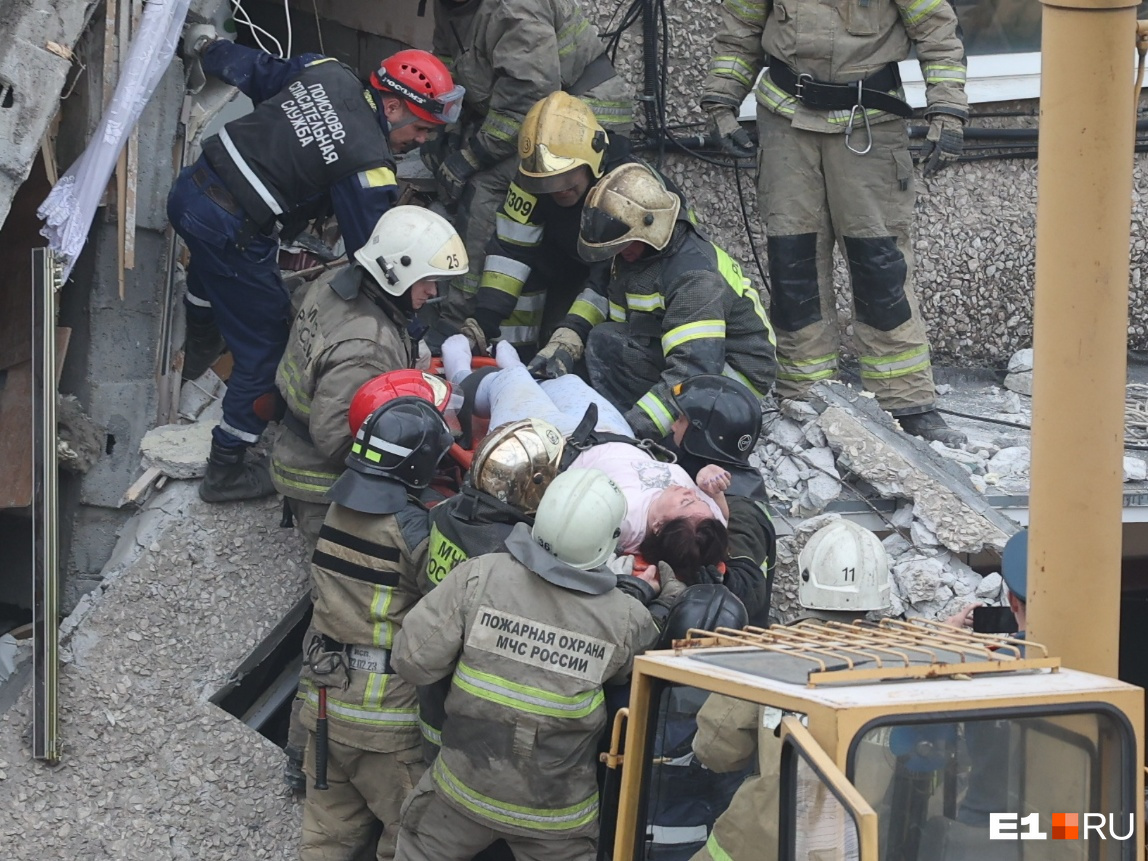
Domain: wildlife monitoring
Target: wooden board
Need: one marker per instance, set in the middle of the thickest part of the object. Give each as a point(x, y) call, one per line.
point(16, 433)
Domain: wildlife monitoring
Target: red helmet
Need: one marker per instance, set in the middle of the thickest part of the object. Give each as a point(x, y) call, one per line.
point(398, 384)
point(423, 81)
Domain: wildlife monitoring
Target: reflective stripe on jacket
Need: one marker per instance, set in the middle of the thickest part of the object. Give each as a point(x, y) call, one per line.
point(526, 708)
point(366, 574)
point(835, 43)
point(512, 53)
point(335, 346)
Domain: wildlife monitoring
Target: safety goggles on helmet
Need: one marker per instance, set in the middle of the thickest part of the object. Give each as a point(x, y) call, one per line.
point(445, 109)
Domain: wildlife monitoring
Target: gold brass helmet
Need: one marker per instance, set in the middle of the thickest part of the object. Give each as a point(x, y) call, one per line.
point(558, 136)
point(630, 203)
point(516, 463)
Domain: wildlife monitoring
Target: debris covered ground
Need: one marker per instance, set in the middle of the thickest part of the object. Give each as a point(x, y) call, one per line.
point(150, 769)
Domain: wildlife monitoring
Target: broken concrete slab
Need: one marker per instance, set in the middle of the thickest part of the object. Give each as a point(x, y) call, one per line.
point(1021, 361)
point(900, 466)
point(1135, 469)
point(990, 586)
point(180, 451)
point(1021, 383)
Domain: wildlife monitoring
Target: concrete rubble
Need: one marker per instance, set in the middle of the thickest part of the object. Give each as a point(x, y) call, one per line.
point(181, 450)
point(844, 437)
point(150, 768)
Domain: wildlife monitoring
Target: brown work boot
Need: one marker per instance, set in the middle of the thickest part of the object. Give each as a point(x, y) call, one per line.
point(229, 478)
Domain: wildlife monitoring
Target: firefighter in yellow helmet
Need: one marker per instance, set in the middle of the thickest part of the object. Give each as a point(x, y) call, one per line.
point(508, 54)
point(532, 272)
point(677, 305)
point(836, 168)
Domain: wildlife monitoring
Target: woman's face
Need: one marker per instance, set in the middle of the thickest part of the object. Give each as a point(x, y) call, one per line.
point(674, 502)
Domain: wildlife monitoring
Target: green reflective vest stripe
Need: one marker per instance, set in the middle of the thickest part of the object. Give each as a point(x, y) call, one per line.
point(353, 713)
point(525, 698)
point(540, 818)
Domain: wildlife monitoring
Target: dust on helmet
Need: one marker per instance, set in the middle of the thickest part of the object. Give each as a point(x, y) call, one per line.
point(629, 204)
point(844, 568)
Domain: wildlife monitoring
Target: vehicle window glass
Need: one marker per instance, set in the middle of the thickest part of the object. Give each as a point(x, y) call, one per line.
point(939, 788)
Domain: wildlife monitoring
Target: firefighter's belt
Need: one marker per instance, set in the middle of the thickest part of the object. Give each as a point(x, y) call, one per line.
point(597, 71)
point(871, 92)
point(369, 659)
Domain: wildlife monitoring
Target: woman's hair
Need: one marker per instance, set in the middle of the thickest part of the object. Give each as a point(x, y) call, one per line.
point(686, 546)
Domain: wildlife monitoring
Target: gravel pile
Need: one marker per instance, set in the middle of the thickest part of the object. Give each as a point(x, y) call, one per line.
point(150, 769)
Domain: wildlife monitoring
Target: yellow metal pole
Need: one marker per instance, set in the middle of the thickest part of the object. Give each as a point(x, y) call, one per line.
point(1084, 202)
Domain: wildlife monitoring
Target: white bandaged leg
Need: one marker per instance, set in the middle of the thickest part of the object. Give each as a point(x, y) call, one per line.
point(505, 356)
point(514, 395)
point(571, 395)
point(456, 359)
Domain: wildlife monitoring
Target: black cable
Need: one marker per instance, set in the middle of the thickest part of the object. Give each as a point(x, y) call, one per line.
point(745, 220)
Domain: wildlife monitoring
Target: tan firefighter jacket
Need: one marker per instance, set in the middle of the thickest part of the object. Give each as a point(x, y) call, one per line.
point(367, 572)
point(530, 642)
point(511, 53)
point(835, 43)
point(336, 345)
point(730, 735)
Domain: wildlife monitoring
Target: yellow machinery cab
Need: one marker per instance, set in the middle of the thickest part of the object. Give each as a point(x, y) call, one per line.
point(898, 741)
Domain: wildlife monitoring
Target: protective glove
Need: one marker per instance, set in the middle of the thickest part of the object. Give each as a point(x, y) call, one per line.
point(456, 171)
point(943, 144)
point(735, 140)
point(672, 589)
point(475, 336)
point(558, 356)
point(196, 37)
point(637, 588)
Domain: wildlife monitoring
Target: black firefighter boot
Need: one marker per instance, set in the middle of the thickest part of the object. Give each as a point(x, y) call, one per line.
point(229, 478)
point(931, 427)
point(202, 345)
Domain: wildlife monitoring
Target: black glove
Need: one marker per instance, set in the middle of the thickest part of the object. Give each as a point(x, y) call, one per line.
point(456, 171)
point(735, 140)
point(943, 145)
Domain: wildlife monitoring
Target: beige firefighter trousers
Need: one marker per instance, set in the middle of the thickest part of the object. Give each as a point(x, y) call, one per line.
point(432, 830)
point(365, 788)
point(812, 192)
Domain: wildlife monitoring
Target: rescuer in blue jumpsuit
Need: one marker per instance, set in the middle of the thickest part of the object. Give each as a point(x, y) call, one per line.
point(319, 140)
